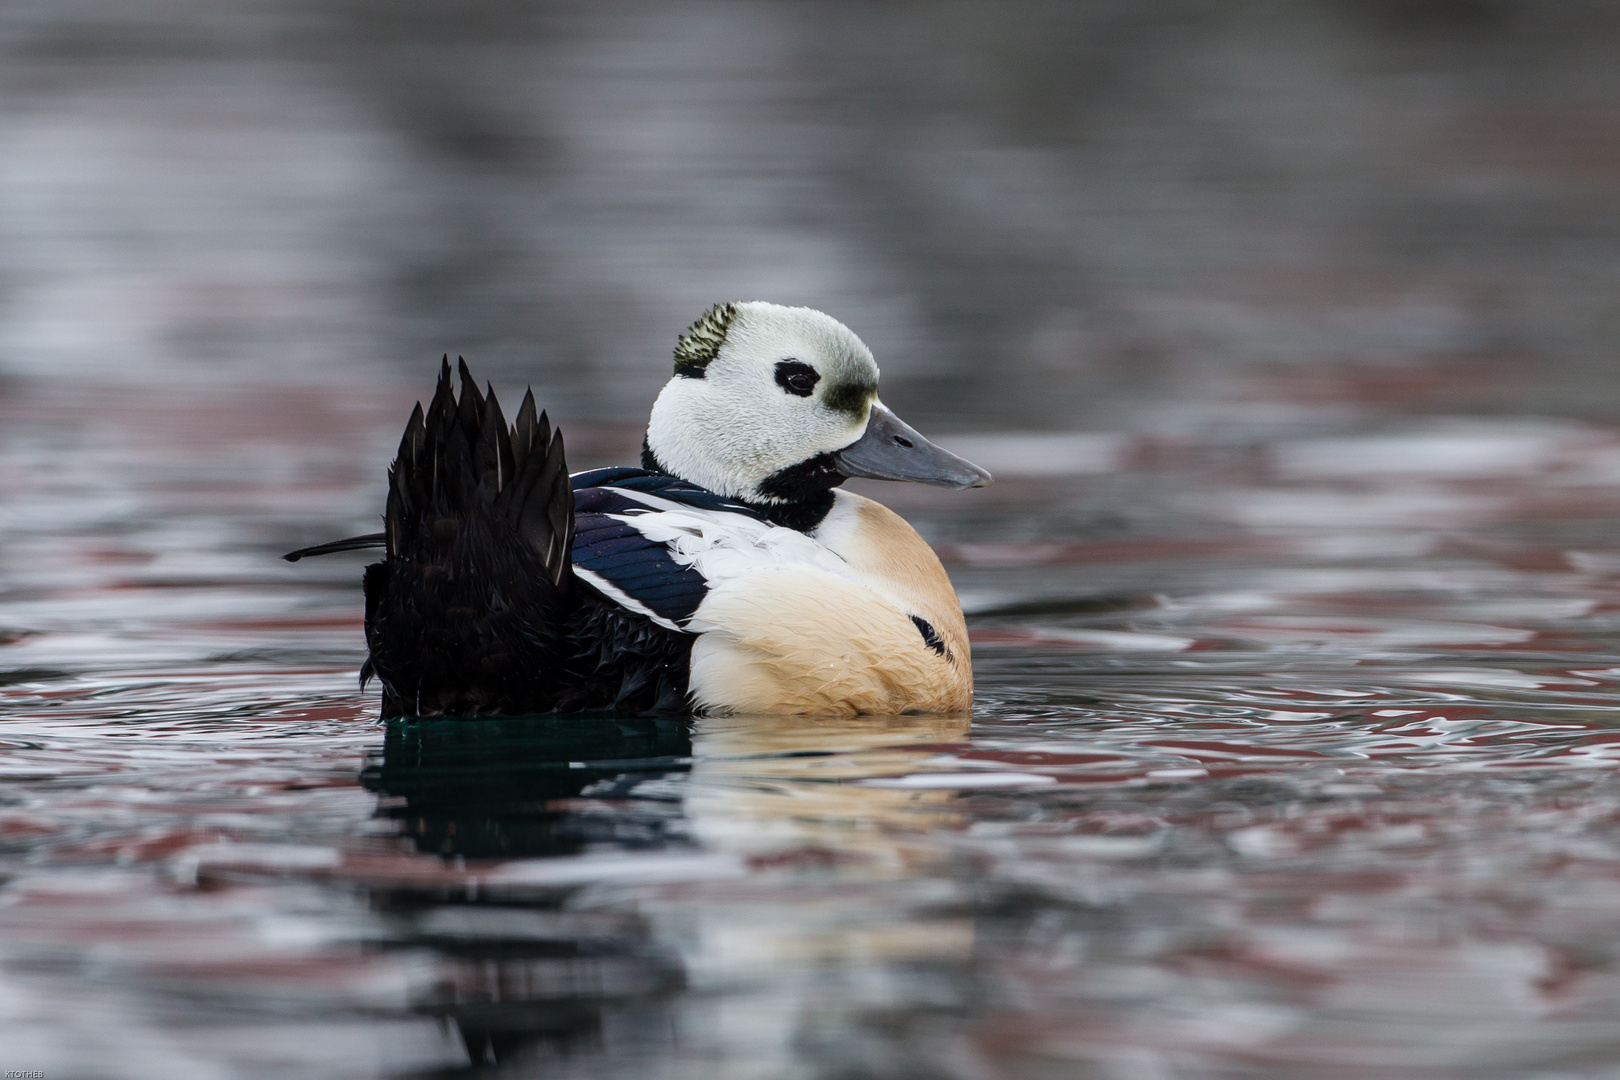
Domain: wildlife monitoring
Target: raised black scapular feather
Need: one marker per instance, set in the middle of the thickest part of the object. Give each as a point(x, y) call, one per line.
point(475, 607)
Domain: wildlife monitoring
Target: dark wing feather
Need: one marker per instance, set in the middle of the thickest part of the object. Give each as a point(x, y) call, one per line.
point(617, 551)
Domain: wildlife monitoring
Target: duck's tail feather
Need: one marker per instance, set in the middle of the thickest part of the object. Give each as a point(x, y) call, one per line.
point(464, 613)
point(352, 543)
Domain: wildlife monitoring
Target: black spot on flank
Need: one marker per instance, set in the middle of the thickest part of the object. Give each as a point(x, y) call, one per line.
point(850, 397)
point(797, 377)
point(930, 636)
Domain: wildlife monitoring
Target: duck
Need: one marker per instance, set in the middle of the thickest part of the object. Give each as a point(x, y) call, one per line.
point(729, 574)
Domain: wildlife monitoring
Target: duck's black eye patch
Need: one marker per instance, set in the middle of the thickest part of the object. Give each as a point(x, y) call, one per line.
point(796, 377)
point(930, 636)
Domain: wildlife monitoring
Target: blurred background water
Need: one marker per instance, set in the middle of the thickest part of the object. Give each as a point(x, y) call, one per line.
point(1288, 328)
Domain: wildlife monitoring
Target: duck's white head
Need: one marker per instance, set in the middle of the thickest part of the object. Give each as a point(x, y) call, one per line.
point(777, 405)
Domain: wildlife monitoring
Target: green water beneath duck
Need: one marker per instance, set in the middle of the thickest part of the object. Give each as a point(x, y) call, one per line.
point(1295, 607)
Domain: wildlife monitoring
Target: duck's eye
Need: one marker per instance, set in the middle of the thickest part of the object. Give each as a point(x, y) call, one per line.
point(796, 377)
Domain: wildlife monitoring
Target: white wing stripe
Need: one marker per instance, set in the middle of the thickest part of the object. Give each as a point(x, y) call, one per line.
point(724, 547)
point(620, 597)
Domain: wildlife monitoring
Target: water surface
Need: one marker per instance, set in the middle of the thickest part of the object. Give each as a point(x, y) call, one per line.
point(1293, 761)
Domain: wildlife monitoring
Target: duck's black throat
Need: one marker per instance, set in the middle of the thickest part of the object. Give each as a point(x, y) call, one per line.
point(801, 495)
point(797, 497)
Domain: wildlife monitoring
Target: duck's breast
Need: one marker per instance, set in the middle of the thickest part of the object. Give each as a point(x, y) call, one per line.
point(858, 617)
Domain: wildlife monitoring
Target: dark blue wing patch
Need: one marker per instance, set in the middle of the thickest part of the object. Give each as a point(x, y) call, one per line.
point(605, 477)
point(672, 488)
point(617, 551)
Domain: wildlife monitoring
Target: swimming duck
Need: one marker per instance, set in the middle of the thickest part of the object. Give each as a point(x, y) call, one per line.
point(728, 574)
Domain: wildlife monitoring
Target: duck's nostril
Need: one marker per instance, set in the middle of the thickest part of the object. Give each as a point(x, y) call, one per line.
point(903, 442)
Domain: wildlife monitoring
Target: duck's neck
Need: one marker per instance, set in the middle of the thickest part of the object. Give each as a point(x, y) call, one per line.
point(798, 497)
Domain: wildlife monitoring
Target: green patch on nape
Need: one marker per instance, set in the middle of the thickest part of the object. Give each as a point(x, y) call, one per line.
point(701, 342)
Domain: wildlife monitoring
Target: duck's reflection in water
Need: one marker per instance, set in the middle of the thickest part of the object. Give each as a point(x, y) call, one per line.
point(521, 975)
point(505, 787)
point(572, 972)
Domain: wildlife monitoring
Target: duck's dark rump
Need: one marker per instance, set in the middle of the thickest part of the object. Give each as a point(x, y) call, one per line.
point(475, 607)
